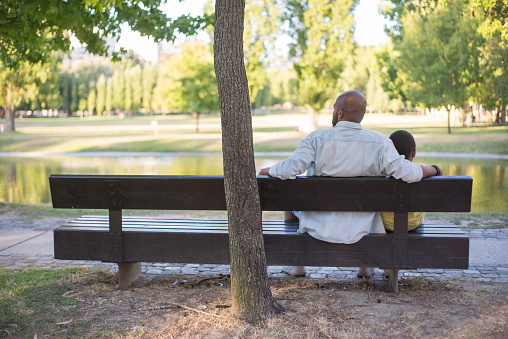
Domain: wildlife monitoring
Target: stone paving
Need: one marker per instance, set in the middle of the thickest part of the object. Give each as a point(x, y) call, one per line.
point(494, 272)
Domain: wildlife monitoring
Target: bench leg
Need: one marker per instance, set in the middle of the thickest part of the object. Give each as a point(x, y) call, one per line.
point(394, 280)
point(127, 273)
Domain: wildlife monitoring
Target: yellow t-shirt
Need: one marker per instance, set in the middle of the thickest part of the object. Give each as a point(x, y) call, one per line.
point(414, 219)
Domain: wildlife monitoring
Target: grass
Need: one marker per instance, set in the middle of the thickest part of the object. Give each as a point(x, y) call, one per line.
point(472, 220)
point(274, 132)
point(44, 302)
point(84, 303)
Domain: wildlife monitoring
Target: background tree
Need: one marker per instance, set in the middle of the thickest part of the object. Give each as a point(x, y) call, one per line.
point(261, 24)
point(187, 81)
point(28, 85)
point(250, 290)
point(101, 94)
point(440, 57)
point(66, 89)
point(323, 33)
point(493, 27)
point(136, 85)
point(30, 30)
point(118, 85)
point(149, 77)
point(74, 94)
point(92, 96)
point(109, 96)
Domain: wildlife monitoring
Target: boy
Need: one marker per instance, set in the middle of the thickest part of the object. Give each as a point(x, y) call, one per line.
point(406, 146)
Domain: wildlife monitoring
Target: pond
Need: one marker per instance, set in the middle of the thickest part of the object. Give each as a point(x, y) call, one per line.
point(25, 180)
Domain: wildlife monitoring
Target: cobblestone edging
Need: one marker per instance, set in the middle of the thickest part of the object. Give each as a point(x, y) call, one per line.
point(495, 273)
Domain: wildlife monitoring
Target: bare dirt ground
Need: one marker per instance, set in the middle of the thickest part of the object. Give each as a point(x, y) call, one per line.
point(196, 307)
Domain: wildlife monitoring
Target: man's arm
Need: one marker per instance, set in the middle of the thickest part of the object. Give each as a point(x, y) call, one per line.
point(429, 171)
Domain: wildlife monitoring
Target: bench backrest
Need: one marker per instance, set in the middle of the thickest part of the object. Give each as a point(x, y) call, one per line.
point(155, 192)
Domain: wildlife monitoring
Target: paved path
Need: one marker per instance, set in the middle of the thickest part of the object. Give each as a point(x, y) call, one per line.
point(30, 244)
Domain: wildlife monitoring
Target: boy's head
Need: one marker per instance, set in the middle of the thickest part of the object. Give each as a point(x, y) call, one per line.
point(404, 143)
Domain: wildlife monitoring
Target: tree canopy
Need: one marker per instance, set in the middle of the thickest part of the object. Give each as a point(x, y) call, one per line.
point(323, 35)
point(30, 30)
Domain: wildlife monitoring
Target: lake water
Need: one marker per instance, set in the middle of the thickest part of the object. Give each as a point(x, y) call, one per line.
point(25, 180)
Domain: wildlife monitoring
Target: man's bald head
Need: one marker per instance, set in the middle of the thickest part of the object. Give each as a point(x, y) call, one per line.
point(349, 106)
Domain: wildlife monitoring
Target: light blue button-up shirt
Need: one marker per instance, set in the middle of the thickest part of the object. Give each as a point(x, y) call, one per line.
point(345, 150)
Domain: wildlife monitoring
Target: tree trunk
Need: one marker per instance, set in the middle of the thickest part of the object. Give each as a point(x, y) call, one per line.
point(448, 113)
point(501, 114)
point(9, 110)
point(313, 119)
point(250, 290)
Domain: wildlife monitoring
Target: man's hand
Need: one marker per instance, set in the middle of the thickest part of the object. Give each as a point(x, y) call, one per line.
point(265, 171)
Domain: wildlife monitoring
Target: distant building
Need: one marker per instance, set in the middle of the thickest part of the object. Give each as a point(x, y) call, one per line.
point(80, 52)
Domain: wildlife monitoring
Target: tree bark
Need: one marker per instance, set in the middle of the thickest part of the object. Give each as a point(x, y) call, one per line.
point(9, 110)
point(250, 290)
point(448, 113)
point(503, 114)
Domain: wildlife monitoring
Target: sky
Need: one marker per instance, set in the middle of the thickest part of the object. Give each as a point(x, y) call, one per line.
point(369, 23)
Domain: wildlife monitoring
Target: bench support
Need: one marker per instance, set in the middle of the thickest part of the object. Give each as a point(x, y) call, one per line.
point(127, 273)
point(394, 280)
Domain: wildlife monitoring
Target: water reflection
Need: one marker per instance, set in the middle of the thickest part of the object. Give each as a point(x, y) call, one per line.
point(25, 180)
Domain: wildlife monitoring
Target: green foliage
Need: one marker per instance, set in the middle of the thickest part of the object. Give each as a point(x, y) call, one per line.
point(323, 33)
point(28, 86)
point(494, 29)
point(101, 94)
point(31, 30)
point(441, 56)
point(456, 49)
point(187, 81)
point(261, 24)
point(149, 78)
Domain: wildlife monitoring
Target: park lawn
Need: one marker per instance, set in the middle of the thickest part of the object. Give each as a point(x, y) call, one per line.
point(84, 303)
point(272, 133)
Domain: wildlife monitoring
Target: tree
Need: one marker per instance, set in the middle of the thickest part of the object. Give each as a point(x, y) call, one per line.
point(31, 30)
point(187, 80)
point(24, 84)
point(109, 95)
point(92, 101)
point(134, 76)
point(118, 87)
point(261, 22)
point(250, 290)
point(149, 77)
point(440, 57)
point(322, 31)
point(494, 54)
point(101, 94)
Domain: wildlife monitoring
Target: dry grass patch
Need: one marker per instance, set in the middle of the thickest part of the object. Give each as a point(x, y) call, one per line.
point(84, 303)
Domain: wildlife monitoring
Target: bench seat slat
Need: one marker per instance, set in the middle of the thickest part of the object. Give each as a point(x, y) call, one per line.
point(220, 224)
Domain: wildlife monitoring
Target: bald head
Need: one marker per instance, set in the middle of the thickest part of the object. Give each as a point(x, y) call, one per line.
point(349, 106)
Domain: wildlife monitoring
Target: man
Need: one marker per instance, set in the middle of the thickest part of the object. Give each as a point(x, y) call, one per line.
point(346, 150)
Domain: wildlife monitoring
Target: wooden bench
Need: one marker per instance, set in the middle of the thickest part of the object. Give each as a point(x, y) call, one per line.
point(129, 241)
